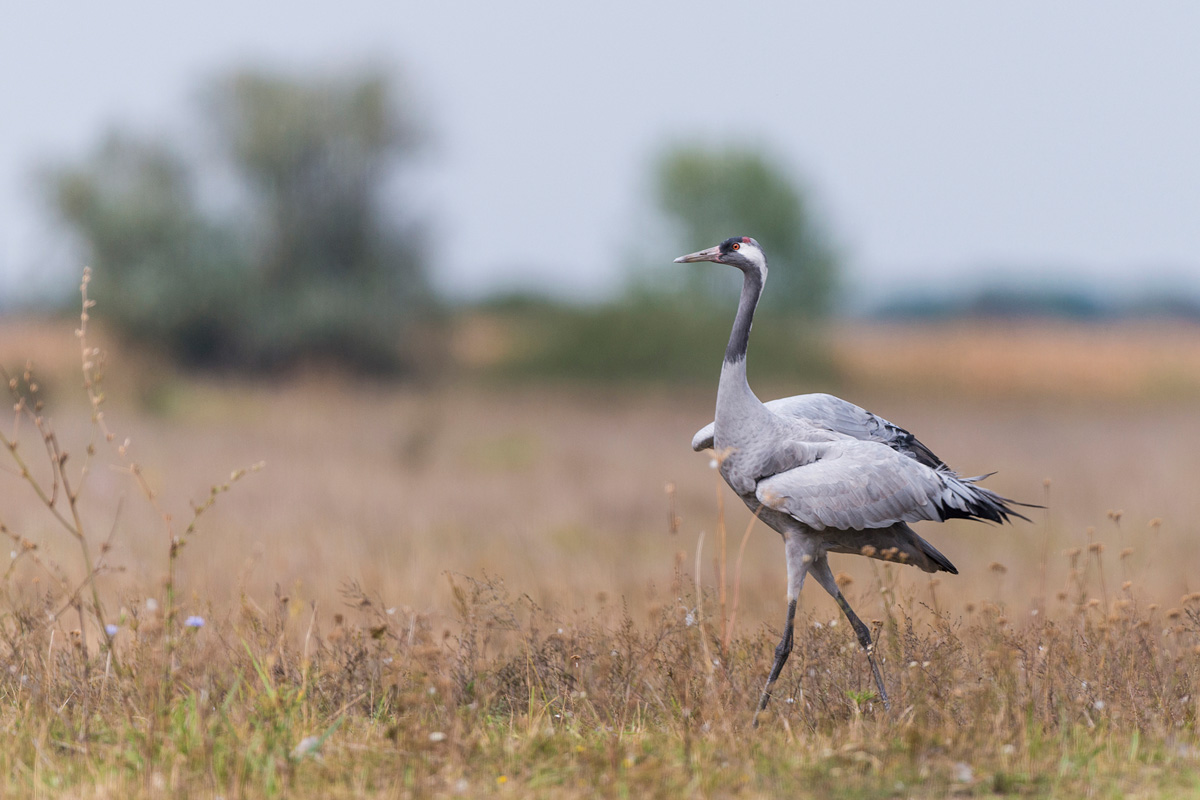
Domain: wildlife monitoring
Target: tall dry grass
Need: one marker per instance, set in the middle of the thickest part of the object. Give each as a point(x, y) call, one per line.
point(464, 588)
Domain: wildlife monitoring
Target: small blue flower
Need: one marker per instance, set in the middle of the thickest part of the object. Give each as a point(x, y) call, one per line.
point(111, 629)
point(194, 622)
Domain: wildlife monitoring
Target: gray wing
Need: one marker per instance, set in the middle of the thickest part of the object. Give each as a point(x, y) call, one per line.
point(856, 486)
point(859, 485)
point(835, 414)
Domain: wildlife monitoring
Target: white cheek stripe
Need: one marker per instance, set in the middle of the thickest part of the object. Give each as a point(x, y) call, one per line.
point(754, 255)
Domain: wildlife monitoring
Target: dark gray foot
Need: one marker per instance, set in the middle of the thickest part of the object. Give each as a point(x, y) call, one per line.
point(864, 638)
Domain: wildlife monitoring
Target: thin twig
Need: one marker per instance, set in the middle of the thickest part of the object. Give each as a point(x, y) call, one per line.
point(737, 578)
point(708, 660)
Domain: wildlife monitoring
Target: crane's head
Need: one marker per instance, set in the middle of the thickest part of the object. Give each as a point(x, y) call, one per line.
point(739, 251)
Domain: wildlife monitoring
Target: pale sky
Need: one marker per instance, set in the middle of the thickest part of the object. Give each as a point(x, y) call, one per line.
point(941, 139)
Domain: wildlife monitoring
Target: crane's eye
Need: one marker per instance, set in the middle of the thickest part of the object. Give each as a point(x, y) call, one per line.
point(737, 246)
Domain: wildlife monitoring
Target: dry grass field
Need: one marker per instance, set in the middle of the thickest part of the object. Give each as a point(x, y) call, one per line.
point(473, 588)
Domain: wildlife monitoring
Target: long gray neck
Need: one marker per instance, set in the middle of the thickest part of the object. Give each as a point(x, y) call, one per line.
point(739, 337)
point(741, 418)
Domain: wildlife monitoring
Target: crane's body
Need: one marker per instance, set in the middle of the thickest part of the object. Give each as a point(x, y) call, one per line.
point(827, 475)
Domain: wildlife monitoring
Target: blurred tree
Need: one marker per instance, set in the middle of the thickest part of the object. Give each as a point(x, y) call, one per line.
point(166, 274)
point(712, 194)
point(317, 267)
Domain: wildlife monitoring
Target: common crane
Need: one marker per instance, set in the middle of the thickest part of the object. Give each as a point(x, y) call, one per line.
point(829, 476)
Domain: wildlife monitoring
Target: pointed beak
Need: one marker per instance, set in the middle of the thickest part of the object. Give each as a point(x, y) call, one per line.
point(711, 254)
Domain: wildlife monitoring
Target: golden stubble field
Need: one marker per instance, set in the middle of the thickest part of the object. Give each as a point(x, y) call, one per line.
point(562, 491)
point(399, 493)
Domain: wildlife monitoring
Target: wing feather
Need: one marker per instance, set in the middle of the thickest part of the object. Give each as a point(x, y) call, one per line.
point(857, 486)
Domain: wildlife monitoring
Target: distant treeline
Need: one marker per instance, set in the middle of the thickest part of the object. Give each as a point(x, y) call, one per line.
point(1017, 301)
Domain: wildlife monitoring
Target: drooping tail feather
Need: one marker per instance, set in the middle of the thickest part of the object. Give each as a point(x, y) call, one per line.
point(965, 499)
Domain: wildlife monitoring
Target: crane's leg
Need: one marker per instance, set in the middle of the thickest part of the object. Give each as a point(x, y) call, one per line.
point(798, 561)
point(824, 576)
point(782, 651)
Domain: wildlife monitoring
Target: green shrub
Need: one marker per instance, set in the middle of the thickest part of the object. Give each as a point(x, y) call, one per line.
point(645, 341)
